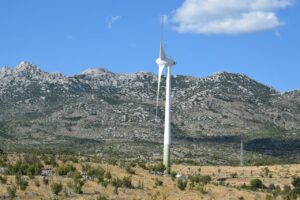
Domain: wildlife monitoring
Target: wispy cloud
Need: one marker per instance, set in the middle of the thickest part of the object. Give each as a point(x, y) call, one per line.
point(230, 17)
point(111, 20)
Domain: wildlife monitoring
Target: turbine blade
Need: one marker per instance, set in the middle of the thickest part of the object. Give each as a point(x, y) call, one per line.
point(162, 54)
point(160, 71)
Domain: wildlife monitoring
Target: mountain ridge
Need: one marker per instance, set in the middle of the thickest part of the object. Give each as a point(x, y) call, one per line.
point(26, 66)
point(41, 110)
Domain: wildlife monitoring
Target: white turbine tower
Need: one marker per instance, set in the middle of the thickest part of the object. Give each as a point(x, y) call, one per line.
point(164, 62)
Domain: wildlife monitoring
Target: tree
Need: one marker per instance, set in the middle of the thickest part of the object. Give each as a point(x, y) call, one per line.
point(56, 188)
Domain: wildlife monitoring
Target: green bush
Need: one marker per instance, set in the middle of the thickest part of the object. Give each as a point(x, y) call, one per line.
point(127, 182)
point(157, 168)
point(76, 176)
point(116, 182)
point(11, 191)
point(173, 175)
point(77, 186)
point(45, 181)
point(21, 182)
point(256, 184)
point(108, 175)
point(129, 170)
point(296, 182)
point(94, 173)
point(205, 179)
point(296, 190)
point(37, 183)
point(142, 164)
point(63, 170)
point(29, 166)
point(3, 179)
point(50, 161)
point(181, 183)
point(200, 179)
point(101, 198)
point(56, 188)
point(158, 182)
point(104, 183)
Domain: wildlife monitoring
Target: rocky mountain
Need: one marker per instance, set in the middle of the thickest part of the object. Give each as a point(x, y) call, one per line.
point(39, 107)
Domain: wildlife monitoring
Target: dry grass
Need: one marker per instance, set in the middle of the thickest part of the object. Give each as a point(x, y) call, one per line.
point(280, 175)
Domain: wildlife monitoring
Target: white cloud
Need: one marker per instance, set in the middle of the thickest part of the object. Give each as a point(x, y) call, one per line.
point(112, 20)
point(228, 17)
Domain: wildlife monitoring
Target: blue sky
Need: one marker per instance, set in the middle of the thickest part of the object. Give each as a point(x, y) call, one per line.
point(259, 38)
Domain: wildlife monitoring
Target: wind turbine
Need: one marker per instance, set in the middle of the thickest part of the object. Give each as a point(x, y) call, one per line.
point(164, 62)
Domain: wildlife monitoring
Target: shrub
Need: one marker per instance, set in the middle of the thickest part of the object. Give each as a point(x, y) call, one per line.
point(173, 175)
point(296, 190)
point(140, 185)
point(201, 189)
point(56, 188)
point(21, 182)
point(76, 176)
point(101, 198)
point(95, 173)
point(3, 179)
point(129, 170)
point(256, 184)
point(105, 183)
point(117, 182)
point(205, 179)
point(63, 170)
point(158, 182)
point(29, 166)
point(45, 181)
point(271, 187)
point(108, 175)
point(112, 161)
point(286, 189)
point(11, 191)
point(77, 186)
point(157, 168)
point(269, 197)
point(142, 165)
point(37, 183)
point(296, 182)
point(127, 182)
point(234, 175)
point(181, 183)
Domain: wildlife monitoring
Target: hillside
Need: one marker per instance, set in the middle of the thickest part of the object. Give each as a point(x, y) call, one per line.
point(99, 111)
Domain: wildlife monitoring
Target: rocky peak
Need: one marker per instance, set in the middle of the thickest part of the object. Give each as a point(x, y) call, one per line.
point(5, 70)
point(26, 66)
point(95, 71)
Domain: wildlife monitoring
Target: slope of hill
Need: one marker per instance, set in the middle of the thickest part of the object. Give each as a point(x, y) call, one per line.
point(101, 111)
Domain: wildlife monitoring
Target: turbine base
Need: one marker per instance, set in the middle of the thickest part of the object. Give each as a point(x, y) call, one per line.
point(166, 160)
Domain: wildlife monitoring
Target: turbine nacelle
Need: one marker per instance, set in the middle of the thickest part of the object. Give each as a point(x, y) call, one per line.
point(166, 62)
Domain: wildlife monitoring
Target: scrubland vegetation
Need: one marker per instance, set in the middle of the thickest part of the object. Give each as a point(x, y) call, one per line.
point(47, 176)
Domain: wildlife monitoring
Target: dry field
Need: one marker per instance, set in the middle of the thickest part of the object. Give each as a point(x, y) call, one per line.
point(226, 183)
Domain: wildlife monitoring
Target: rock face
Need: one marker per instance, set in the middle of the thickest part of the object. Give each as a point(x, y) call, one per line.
point(98, 104)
